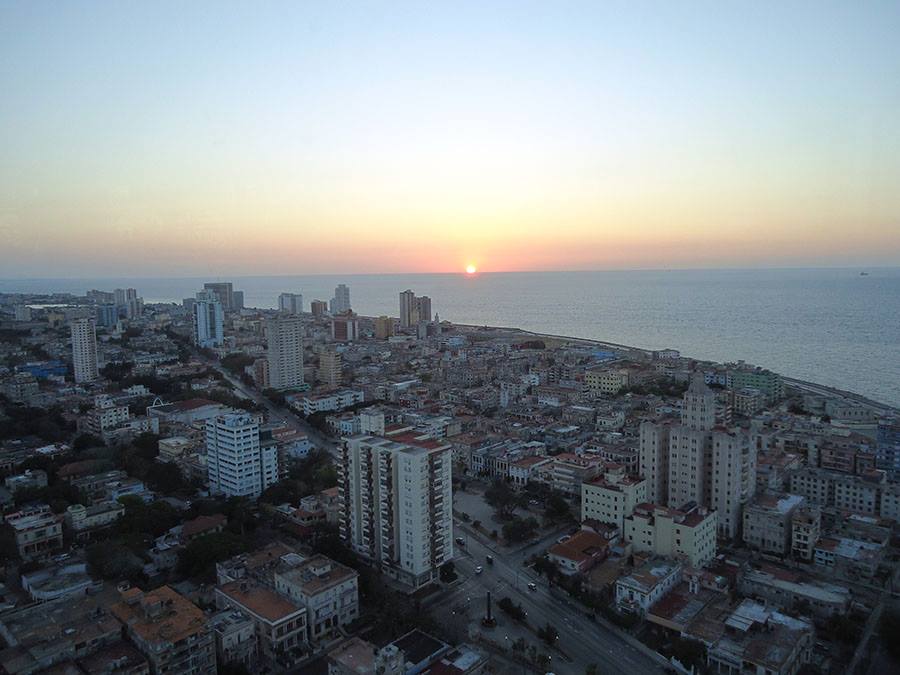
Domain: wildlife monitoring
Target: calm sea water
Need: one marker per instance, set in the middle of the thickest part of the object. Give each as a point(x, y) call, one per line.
point(831, 326)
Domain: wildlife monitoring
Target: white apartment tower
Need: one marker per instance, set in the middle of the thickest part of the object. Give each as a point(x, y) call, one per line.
point(238, 465)
point(209, 320)
point(330, 368)
point(397, 504)
point(84, 350)
point(698, 462)
point(285, 352)
point(290, 303)
point(690, 457)
point(340, 303)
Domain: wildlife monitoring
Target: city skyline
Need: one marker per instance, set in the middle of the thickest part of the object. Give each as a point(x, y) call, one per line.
point(317, 140)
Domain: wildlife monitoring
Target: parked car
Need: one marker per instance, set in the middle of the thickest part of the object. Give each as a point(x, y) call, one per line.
point(490, 559)
point(479, 569)
point(532, 586)
point(460, 541)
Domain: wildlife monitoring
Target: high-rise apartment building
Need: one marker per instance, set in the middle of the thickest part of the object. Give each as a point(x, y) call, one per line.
point(224, 290)
point(285, 352)
point(209, 320)
point(238, 464)
point(397, 504)
point(414, 310)
point(345, 327)
point(84, 350)
point(698, 462)
point(290, 303)
point(318, 307)
point(340, 303)
point(330, 368)
point(407, 307)
point(107, 315)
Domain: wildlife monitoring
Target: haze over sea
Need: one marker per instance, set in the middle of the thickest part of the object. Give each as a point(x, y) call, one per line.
point(831, 326)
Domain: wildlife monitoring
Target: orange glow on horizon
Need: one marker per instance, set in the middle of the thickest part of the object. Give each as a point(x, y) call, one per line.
point(471, 269)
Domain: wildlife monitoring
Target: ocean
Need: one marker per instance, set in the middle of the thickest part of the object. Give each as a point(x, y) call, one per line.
point(832, 326)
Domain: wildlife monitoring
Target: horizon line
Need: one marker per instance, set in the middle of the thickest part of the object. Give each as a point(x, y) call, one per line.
point(463, 273)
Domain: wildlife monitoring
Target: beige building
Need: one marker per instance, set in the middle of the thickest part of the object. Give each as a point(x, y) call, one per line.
point(384, 327)
point(280, 623)
point(654, 460)
point(611, 382)
point(328, 590)
point(611, 497)
point(767, 522)
point(330, 368)
point(806, 527)
point(285, 352)
point(169, 630)
point(84, 350)
point(673, 533)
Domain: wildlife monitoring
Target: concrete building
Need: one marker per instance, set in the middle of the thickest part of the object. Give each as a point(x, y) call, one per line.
point(280, 624)
point(340, 303)
point(330, 368)
point(747, 377)
point(84, 351)
point(169, 630)
point(653, 464)
point(384, 327)
point(318, 308)
point(689, 534)
point(768, 520)
point(38, 531)
point(239, 465)
point(235, 637)
point(413, 310)
point(396, 504)
point(646, 585)
point(328, 590)
point(887, 446)
point(732, 479)
point(208, 320)
point(224, 291)
point(285, 352)
point(611, 497)
point(345, 327)
point(290, 303)
point(806, 526)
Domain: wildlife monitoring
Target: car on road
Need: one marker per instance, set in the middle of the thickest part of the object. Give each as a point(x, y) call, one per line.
point(460, 541)
point(479, 569)
point(489, 559)
point(532, 586)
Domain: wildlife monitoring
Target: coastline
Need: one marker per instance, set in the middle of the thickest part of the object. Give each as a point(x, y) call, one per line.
point(805, 385)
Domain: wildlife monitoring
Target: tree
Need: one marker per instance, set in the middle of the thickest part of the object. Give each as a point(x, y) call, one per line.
point(889, 629)
point(199, 557)
point(448, 572)
point(548, 634)
point(511, 609)
point(503, 498)
point(113, 560)
point(519, 529)
point(85, 441)
point(557, 509)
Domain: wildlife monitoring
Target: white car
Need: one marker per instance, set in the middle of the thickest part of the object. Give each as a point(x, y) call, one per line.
point(479, 569)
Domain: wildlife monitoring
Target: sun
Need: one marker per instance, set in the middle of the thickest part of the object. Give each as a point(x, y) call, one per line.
point(471, 269)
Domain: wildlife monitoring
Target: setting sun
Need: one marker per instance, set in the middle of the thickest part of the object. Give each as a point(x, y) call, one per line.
point(471, 269)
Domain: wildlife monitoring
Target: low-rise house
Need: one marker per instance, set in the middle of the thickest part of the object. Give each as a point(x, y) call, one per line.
point(787, 589)
point(806, 526)
point(38, 531)
point(168, 629)
point(64, 579)
point(846, 557)
point(280, 624)
point(358, 657)
point(758, 639)
point(640, 590)
point(578, 553)
point(31, 478)
point(83, 520)
point(235, 636)
point(328, 590)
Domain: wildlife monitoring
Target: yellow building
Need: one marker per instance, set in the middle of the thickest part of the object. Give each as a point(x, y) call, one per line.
point(612, 496)
point(669, 532)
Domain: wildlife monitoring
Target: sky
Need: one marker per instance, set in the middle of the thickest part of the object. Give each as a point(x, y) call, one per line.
point(225, 138)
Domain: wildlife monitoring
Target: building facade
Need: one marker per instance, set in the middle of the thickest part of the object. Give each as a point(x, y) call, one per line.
point(84, 350)
point(238, 464)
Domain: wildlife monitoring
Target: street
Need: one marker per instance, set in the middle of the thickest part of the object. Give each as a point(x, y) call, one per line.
point(580, 639)
point(277, 413)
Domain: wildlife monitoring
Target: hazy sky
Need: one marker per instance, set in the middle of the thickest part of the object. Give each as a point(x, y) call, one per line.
point(180, 138)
